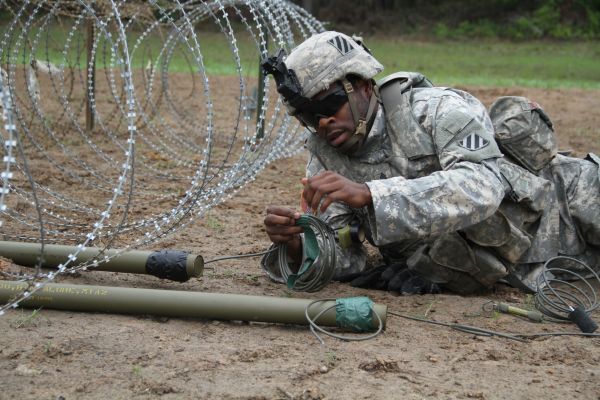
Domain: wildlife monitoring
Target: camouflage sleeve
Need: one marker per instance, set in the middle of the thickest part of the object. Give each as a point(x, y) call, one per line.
point(460, 128)
point(459, 136)
point(468, 190)
point(444, 201)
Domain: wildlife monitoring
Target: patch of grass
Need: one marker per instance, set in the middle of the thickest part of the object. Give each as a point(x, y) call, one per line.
point(168, 164)
point(216, 54)
point(483, 62)
point(137, 370)
point(213, 224)
point(429, 309)
point(27, 320)
point(519, 356)
point(494, 63)
point(331, 358)
point(48, 347)
point(228, 274)
point(529, 302)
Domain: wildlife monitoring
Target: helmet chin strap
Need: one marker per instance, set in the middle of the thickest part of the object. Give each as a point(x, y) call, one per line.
point(361, 123)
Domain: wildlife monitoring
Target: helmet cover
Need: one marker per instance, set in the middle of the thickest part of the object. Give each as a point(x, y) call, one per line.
point(327, 57)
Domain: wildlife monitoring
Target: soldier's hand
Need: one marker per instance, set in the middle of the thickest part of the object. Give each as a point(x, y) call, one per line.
point(395, 278)
point(330, 186)
point(280, 224)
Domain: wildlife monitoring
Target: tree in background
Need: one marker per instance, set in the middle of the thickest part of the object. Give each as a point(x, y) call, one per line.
point(514, 19)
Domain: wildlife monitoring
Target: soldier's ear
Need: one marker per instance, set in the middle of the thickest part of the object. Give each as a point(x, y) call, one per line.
point(367, 87)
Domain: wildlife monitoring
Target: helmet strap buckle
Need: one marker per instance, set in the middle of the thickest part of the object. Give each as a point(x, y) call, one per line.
point(361, 127)
point(347, 86)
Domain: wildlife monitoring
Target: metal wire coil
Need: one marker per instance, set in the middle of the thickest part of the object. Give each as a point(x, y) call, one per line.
point(323, 269)
point(561, 290)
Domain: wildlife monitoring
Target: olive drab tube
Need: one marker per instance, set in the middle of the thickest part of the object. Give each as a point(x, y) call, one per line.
point(167, 264)
point(175, 303)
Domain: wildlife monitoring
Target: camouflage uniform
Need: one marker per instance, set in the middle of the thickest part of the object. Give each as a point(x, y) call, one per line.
point(448, 205)
point(446, 202)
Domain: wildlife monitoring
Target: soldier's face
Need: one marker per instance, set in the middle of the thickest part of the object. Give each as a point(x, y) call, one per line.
point(323, 105)
point(339, 127)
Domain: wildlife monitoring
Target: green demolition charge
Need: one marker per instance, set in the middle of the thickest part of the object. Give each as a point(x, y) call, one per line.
point(174, 265)
point(177, 303)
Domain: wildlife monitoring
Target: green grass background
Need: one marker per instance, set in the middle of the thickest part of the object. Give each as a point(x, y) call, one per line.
point(495, 63)
point(546, 64)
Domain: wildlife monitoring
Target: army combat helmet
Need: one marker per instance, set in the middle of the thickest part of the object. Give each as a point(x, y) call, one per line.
point(316, 64)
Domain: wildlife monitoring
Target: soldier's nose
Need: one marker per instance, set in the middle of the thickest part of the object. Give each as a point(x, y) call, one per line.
point(323, 122)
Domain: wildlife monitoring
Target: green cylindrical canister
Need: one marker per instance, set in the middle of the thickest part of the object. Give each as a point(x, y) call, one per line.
point(169, 264)
point(173, 303)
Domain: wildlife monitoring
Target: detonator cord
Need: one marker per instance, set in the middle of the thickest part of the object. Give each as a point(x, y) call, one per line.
point(262, 253)
point(556, 298)
point(319, 273)
point(566, 294)
point(521, 337)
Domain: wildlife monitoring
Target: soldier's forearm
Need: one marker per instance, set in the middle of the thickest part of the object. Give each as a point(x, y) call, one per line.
point(442, 202)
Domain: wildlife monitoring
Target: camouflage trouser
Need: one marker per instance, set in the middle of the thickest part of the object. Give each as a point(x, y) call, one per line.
point(454, 264)
point(478, 256)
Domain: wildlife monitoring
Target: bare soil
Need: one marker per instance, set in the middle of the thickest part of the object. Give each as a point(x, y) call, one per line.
point(70, 355)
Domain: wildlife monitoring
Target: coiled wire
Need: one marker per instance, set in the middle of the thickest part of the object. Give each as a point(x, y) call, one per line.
point(558, 297)
point(322, 270)
point(314, 327)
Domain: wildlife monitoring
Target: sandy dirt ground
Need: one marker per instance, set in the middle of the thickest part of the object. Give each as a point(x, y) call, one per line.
point(70, 355)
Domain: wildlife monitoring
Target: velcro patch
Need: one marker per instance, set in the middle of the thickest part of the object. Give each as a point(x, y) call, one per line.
point(341, 44)
point(473, 142)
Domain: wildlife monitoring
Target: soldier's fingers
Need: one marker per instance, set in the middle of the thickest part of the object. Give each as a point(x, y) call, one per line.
point(276, 220)
point(326, 203)
point(281, 238)
point(283, 230)
point(283, 235)
point(317, 180)
point(328, 183)
point(314, 204)
point(307, 194)
point(334, 186)
point(321, 186)
point(282, 211)
point(329, 192)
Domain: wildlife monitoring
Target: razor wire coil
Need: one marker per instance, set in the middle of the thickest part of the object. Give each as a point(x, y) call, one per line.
point(164, 129)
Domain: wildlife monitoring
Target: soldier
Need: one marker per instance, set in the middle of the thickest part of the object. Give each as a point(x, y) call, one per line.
point(419, 169)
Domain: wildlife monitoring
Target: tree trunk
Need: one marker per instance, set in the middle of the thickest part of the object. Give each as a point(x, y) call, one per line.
point(307, 5)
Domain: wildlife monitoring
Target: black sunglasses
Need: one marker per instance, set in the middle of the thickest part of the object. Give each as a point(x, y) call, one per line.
point(316, 109)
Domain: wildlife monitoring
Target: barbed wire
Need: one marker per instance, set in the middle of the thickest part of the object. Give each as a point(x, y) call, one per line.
point(97, 126)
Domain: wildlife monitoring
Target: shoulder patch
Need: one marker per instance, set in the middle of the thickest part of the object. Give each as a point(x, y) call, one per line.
point(341, 44)
point(473, 142)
